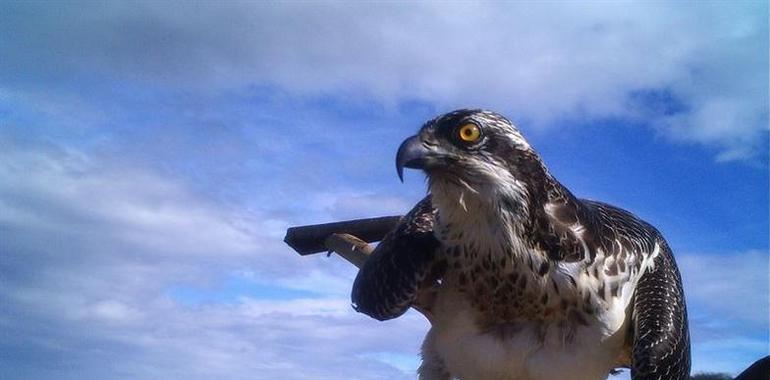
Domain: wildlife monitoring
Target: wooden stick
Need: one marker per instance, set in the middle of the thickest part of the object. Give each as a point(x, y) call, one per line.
point(311, 239)
point(351, 248)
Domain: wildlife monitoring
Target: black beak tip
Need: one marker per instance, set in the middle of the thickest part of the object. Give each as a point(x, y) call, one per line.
point(411, 154)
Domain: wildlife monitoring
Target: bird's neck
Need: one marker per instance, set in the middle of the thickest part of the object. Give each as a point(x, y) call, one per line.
point(511, 213)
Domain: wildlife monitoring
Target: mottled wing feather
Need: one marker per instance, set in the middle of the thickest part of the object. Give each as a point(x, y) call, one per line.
point(617, 231)
point(661, 344)
point(388, 282)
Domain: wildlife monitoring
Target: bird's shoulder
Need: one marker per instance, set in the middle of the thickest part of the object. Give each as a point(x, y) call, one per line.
point(614, 230)
point(415, 229)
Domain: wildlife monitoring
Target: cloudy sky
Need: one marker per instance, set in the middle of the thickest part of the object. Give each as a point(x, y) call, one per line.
point(152, 155)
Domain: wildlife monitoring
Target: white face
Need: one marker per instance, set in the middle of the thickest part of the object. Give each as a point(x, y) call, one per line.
point(477, 146)
point(476, 159)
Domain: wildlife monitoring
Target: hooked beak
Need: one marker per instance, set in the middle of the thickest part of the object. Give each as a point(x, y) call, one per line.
point(411, 154)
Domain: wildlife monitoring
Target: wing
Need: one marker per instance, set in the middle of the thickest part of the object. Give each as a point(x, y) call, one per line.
point(660, 344)
point(661, 341)
point(407, 257)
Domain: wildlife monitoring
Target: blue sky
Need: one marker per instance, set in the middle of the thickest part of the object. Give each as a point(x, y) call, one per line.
point(153, 154)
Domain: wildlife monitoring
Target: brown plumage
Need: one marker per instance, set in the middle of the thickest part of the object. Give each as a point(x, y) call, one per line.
point(535, 283)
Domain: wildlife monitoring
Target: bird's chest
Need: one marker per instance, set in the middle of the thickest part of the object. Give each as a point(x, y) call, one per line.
point(505, 281)
point(521, 350)
point(497, 286)
point(505, 312)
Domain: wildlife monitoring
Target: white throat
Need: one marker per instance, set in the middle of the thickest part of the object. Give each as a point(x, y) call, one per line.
point(492, 214)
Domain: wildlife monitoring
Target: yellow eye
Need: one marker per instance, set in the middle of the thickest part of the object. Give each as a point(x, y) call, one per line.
point(469, 132)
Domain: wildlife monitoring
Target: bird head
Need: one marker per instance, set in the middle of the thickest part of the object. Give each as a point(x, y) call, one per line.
point(472, 151)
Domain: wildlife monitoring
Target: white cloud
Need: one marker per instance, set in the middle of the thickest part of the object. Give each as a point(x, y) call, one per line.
point(142, 209)
point(536, 62)
point(90, 248)
point(111, 310)
point(350, 204)
point(94, 245)
point(727, 297)
point(732, 286)
point(336, 281)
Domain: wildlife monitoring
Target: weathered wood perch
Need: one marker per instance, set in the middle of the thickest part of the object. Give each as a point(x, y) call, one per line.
point(312, 239)
point(350, 239)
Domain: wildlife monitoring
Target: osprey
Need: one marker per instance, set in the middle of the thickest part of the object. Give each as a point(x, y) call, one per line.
point(527, 281)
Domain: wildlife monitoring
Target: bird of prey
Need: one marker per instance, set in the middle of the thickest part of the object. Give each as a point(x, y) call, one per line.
point(528, 281)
